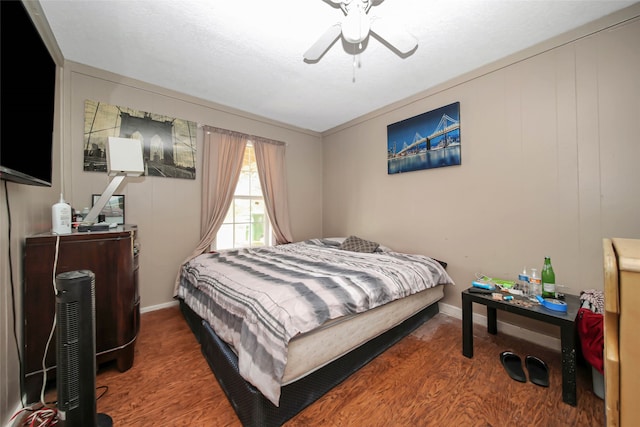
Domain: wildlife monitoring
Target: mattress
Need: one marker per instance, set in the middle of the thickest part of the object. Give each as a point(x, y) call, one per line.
point(313, 350)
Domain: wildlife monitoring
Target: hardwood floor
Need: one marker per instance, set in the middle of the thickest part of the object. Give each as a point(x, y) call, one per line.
point(424, 380)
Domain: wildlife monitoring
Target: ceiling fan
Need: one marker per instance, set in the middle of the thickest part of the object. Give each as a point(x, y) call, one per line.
point(355, 28)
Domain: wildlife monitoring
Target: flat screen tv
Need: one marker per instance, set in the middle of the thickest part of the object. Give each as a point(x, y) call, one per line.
point(27, 99)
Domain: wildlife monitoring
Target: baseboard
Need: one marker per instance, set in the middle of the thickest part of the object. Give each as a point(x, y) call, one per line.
point(158, 306)
point(505, 328)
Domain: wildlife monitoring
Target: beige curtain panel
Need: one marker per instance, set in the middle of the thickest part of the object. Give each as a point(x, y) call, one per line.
point(223, 153)
point(270, 158)
point(221, 164)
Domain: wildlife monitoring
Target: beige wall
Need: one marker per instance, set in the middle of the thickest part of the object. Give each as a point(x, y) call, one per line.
point(167, 211)
point(550, 153)
point(549, 167)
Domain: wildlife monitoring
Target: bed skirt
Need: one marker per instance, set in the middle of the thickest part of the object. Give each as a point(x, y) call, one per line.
point(252, 408)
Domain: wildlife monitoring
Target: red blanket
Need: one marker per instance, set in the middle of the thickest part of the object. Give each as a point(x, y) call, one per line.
point(590, 327)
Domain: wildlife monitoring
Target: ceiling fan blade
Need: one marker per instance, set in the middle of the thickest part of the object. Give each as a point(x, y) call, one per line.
point(325, 41)
point(395, 36)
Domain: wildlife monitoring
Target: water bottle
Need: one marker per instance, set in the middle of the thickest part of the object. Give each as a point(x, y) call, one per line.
point(534, 283)
point(548, 280)
point(523, 281)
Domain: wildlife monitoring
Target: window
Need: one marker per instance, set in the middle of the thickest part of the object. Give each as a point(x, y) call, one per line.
point(246, 224)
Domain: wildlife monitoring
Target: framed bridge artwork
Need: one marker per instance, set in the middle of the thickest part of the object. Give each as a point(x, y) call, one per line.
point(426, 141)
point(169, 144)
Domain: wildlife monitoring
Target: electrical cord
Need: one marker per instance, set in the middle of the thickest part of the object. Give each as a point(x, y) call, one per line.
point(40, 417)
point(13, 292)
point(46, 415)
point(53, 325)
point(106, 389)
point(36, 418)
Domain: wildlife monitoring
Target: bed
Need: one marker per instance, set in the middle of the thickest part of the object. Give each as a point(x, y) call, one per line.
point(280, 326)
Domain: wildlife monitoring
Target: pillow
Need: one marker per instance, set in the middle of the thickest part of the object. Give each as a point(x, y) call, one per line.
point(442, 263)
point(383, 249)
point(333, 241)
point(356, 244)
point(337, 241)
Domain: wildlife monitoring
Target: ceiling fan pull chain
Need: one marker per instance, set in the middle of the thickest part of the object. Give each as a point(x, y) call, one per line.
point(354, 69)
point(356, 51)
point(356, 62)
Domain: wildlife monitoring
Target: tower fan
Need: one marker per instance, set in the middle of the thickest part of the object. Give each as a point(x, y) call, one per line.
point(76, 351)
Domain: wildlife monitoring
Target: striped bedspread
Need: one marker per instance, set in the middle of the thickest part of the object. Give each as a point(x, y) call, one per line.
point(258, 299)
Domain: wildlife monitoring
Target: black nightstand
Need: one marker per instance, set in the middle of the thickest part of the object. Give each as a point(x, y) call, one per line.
point(565, 320)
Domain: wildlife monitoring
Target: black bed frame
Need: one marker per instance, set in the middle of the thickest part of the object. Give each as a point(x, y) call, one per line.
point(252, 408)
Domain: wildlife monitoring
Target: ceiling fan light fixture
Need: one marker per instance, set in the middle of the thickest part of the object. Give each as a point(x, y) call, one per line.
point(355, 27)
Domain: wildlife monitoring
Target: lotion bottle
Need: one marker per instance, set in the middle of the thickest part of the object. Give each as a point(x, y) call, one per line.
point(61, 217)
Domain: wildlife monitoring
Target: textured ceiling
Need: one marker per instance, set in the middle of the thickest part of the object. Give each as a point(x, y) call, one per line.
point(249, 54)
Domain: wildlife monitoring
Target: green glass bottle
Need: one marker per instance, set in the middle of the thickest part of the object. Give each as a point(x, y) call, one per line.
point(548, 279)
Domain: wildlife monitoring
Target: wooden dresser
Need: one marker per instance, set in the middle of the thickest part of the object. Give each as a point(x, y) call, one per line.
point(621, 343)
point(113, 257)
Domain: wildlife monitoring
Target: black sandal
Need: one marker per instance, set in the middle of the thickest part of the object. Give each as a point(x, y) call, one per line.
point(513, 365)
point(538, 371)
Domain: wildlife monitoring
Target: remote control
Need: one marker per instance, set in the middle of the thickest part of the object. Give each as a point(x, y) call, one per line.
point(475, 290)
